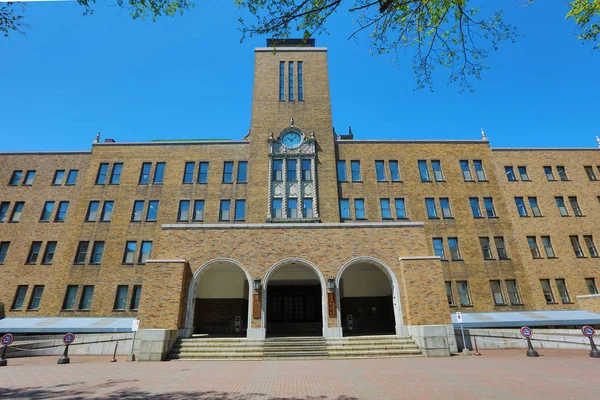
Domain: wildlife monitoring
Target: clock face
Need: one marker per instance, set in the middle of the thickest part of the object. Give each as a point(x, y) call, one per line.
point(292, 139)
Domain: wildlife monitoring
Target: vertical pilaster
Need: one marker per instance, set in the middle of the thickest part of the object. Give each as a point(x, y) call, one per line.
point(300, 210)
point(285, 188)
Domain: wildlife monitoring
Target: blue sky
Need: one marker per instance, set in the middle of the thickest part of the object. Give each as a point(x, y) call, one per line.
point(189, 77)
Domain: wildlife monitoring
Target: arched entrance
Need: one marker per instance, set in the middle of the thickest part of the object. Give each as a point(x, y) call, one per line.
point(368, 298)
point(293, 299)
point(218, 299)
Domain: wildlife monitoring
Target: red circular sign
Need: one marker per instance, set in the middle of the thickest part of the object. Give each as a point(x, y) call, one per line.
point(69, 338)
point(7, 339)
point(526, 331)
point(588, 331)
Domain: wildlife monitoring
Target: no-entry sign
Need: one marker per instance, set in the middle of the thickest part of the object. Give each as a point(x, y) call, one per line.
point(69, 338)
point(526, 331)
point(7, 339)
point(588, 331)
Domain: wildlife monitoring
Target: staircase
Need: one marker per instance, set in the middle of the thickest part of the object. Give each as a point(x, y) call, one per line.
point(295, 348)
point(373, 347)
point(217, 349)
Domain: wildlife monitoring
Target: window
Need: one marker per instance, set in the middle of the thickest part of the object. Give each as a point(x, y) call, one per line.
point(359, 208)
point(437, 170)
point(47, 211)
point(454, 250)
point(135, 297)
point(188, 172)
point(424, 171)
point(497, 293)
point(431, 210)
point(523, 173)
point(19, 297)
point(129, 255)
point(445, 205)
point(291, 170)
point(282, 81)
point(228, 172)
point(341, 171)
point(292, 208)
point(59, 175)
point(589, 242)
point(576, 246)
point(276, 208)
point(562, 290)
point(3, 251)
point(121, 297)
point(61, 214)
point(589, 170)
point(510, 173)
point(488, 203)
point(575, 206)
point(151, 212)
point(308, 208)
point(438, 248)
point(400, 209)
point(535, 209)
point(300, 82)
point(522, 210)
point(380, 169)
point(81, 253)
point(486, 248)
point(4, 210)
point(145, 173)
point(548, 247)
point(513, 292)
point(291, 81)
point(72, 177)
point(92, 211)
point(34, 252)
point(533, 247)
point(223, 210)
point(49, 253)
point(138, 210)
point(203, 172)
point(29, 176)
point(386, 212)
point(115, 176)
point(501, 248)
point(15, 178)
point(85, 303)
point(449, 294)
point(159, 173)
point(466, 171)
point(463, 293)
point(549, 173)
point(355, 166)
point(479, 170)
point(591, 285)
point(97, 251)
point(70, 295)
point(277, 170)
point(240, 210)
point(560, 203)
point(198, 211)
point(107, 209)
point(474, 201)
point(17, 211)
point(145, 252)
point(344, 209)
point(184, 209)
point(36, 297)
point(562, 173)
point(306, 175)
point(394, 171)
point(102, 171)
point(242, 172)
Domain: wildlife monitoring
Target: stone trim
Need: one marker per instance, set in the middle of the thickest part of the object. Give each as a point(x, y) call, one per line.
point(544, 149)
point(22, 153)
point(174, 143)
point(419, 258)
point(297, 226)
point(416, 141)
point(289, 49)
point(589, 296)
point(166, 261)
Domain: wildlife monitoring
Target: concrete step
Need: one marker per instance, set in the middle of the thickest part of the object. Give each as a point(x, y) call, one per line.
point(294, 349)
point(219, 345)
point(215, 350)
point(369, 347)
point(373, 353)
point(294, 354)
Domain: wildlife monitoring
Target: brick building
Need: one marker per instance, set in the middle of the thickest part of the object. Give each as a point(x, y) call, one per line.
point(294, 229)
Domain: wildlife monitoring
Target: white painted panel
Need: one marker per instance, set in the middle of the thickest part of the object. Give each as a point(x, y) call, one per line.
point(365, 283)
point(216, 283)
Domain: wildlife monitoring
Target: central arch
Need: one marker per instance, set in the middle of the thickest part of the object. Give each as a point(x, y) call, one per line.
point(294, 299)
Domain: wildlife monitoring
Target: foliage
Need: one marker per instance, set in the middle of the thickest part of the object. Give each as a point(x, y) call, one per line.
point(586, 14)
point(11, 18)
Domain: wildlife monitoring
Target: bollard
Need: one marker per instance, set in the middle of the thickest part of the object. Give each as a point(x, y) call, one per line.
point(590, 332)
point(594, 353)
point(114, 359)
point(64, 359)
point(5, 341)
point(477, 353)
point(530, 351)
point(3, 361)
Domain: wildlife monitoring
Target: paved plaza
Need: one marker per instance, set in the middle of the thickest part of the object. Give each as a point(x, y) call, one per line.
point(500, 374)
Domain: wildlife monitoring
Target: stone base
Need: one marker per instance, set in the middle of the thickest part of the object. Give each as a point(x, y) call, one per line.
point(256, 333)
point(332, 332)
point(433, 340)
point(155, 344)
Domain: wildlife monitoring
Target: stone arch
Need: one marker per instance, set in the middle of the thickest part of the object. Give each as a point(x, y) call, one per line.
point(396, 299)
point(189, 320)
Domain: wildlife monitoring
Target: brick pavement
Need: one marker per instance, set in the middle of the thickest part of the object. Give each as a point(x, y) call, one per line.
point(499, 374)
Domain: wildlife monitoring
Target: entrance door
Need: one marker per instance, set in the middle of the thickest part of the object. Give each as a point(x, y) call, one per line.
point(294, 310)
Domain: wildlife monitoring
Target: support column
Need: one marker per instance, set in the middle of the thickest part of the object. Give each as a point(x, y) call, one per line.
point(300, 211)
point(284, 193)
point(313, 175)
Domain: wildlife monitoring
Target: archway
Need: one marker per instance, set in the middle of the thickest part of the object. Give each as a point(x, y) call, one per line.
point(293, 299)
point(218, 299)
point(368, 298)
